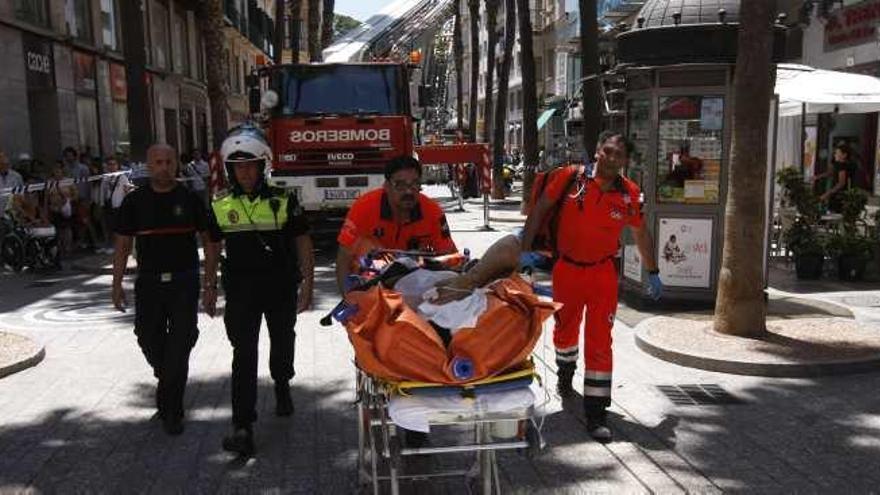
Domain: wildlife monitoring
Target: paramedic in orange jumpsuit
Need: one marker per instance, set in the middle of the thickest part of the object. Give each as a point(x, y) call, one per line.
point(396, 216)
point(593, 212)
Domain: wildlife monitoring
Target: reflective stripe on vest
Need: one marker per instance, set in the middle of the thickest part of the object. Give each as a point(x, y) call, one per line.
point(241, 214)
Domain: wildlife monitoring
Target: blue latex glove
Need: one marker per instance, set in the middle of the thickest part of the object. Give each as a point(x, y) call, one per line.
point(655, 286)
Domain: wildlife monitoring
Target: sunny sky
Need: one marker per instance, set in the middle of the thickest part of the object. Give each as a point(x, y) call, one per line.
point(360, 9)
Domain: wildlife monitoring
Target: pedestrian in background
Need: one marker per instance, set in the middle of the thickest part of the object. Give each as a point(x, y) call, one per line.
point(114, 187)
point(75, 169)
point(8, 178)
point(59, 200)
point(164, 218)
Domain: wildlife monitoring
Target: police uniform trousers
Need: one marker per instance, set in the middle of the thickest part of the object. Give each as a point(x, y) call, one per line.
point(166, 315)
point(248, 300)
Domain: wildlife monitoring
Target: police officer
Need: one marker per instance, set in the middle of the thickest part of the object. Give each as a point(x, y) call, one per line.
point(163, 218)
point(268, 259)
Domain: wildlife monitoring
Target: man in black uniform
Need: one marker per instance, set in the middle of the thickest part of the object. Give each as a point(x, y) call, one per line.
point(268, 259)
point(164, 218)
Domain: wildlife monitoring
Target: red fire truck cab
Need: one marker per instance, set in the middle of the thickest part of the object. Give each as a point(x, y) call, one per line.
point(333, 127)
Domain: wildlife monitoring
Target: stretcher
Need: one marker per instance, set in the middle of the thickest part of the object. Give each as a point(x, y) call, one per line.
point(408, 379)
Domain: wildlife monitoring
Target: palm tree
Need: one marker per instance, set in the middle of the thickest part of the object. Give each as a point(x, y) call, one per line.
point(530, 98)
point(210, 13)
point(279, 30)
point(295, 29)
point(458, 55)
point(492, 35)
point(501, 106)
point(327, 23)
point(589, 33)
point(474, 14)
point(739, 304)
point(314, 30)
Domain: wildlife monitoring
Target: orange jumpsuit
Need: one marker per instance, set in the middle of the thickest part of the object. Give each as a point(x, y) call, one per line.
point(584, 277)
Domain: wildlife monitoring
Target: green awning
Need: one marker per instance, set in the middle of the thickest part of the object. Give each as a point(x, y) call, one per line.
point(545, 117)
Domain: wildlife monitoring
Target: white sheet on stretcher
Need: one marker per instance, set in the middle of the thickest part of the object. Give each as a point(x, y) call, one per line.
point(415, 412)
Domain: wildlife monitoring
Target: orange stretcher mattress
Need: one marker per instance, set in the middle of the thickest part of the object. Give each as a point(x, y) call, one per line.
point(392, 342)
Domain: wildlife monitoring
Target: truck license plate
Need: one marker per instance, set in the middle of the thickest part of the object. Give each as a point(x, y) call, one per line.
point(341, 193)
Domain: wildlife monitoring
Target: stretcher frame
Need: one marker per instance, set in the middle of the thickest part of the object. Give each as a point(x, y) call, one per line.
point(381, 450)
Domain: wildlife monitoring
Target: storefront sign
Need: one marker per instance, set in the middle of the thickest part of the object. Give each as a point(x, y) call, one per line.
point(38, 62)
point(685, 252)
point(853, 25)
point(632, 262)
point(118, 84)
point(84, 72)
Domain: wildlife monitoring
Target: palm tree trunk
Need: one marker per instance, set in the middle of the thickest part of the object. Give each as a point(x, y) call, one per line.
point(491, 27)
point(314, 30)
point(501, 105)
point(327, 24)
point(280, 16)
point(474, 14)
point(530, 99)
point(458, 55)
point(589, 32)
point(739, 306)
point(295, 29)
point(212, 25)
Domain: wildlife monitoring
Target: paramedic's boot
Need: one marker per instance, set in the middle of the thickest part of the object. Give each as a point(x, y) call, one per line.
point(597, 422)
point(283, 402)
point(241, 442)
point(564, 375)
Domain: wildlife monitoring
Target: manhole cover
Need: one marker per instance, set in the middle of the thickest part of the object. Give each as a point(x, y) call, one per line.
point(698, 395)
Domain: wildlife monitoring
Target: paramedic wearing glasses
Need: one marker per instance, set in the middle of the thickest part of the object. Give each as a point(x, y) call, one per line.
point(267, 272)
point(396, 216)
point(593, 211)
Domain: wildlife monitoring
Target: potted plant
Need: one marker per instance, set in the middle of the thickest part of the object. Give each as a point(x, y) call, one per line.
point(802, 237)
point(851, 244)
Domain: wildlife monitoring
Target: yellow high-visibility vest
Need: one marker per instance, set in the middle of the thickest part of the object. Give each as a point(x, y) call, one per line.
point(242, 214)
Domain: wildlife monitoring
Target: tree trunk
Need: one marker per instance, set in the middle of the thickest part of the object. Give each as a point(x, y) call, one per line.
point(492, 40)
point(212, 25)
point(474, 14)
point(530, 99)
point(314, 14)
point(295, 29)
point(739, 306)
point(589, 32)
point(458, 55)
point(501, 105)
point(327, 23)
point(279, 30)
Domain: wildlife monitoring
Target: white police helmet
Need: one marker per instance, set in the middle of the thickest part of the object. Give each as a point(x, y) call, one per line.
point(245, 143)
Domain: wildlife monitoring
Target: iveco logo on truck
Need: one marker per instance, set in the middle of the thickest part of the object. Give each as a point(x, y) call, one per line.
point(340, 157)
point(338, 135)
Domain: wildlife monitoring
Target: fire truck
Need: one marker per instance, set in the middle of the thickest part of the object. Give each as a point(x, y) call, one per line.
point(334, 126)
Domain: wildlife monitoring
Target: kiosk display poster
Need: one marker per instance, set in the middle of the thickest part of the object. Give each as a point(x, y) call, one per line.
point(685, 251)
point(632, 262)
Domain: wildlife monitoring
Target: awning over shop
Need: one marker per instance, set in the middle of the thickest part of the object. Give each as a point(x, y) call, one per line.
point(545, 117)
point(825, 91)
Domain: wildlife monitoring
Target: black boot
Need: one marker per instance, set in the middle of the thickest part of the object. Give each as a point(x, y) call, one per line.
point(564, 376)
point(241, 442)
point(597, 422)
point(283, 402)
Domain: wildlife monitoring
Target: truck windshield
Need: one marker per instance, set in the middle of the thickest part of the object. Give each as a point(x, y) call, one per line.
point(340, 89)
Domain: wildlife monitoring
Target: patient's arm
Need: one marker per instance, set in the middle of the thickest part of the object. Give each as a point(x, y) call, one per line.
point(500, 260)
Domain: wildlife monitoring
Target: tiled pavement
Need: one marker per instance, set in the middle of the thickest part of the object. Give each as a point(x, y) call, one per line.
point(81, 420)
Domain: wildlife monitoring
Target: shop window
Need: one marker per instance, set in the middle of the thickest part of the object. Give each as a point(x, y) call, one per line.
point(689, 149)
point(639, 133)
point(110, 25)
point(78, 15)
point(121, 137)
point(180, 48)
point(32, 11)
point(87, 119)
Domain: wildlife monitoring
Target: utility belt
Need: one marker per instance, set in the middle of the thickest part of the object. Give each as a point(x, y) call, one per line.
point(585, 264)
point(168, 277)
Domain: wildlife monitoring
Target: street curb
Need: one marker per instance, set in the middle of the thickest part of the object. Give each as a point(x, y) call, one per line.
point(777, 370)
point(27, 360)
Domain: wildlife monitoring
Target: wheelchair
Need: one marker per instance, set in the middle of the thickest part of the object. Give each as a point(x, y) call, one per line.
point(24, 246)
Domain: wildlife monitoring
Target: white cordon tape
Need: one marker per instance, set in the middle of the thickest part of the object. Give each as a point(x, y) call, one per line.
point(40, 186)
